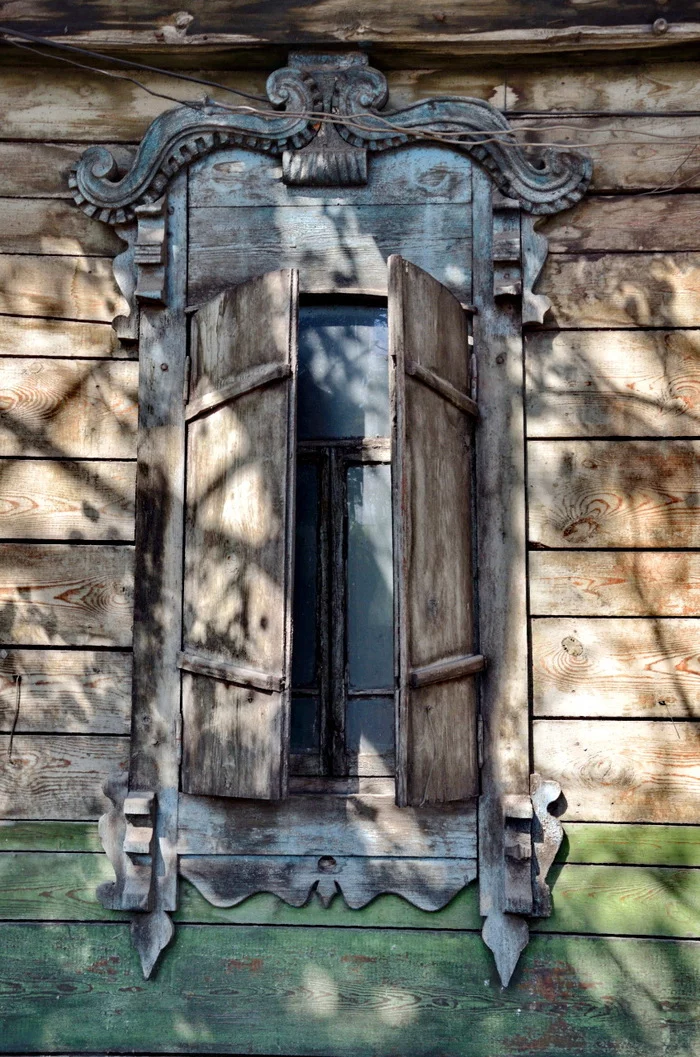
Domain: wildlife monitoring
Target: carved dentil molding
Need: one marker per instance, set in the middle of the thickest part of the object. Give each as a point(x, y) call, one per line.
point(338, 101)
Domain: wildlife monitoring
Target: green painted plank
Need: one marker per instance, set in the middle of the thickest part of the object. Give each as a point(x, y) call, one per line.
point(624, 901)
point(345, 992)
point(41, 886)
point(49, 836)
point(600, 900)
point(591, 842)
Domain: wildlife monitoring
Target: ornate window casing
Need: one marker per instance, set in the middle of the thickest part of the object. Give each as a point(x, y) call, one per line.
point(457, 197)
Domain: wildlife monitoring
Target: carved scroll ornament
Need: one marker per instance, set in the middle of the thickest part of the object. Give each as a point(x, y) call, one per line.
point(341, 100)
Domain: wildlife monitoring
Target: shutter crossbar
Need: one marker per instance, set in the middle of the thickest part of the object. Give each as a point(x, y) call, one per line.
point(245, 382)
point(442, 387)
point(230, 673)
point(447, 670)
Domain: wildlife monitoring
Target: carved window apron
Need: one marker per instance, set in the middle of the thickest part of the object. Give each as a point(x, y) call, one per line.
point(430, 209)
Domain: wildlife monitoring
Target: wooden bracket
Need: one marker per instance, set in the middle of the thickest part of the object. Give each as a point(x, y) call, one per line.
point(507, 267)
point(128, 835)
point(150, 252)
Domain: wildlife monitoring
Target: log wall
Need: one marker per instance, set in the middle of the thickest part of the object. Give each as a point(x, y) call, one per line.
point(613, 424)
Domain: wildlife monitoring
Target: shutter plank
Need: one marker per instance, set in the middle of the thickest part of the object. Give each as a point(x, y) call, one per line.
point(240, 475)
point(431, 453)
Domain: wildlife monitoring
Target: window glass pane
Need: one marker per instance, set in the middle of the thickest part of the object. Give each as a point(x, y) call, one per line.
point(304, 725)
point(305, 574)
point(370, 606)
point(370, 725)
point(343, 372)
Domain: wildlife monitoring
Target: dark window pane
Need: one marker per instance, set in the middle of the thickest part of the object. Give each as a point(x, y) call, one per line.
point(370, 606)
point(304, 725)
point(305, 576)
point(370, 725)
point(343, 372)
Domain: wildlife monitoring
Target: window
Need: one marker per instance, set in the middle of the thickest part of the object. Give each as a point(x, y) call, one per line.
point(342, 710)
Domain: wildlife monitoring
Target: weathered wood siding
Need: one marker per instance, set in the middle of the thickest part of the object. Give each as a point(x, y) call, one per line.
point(614, 504)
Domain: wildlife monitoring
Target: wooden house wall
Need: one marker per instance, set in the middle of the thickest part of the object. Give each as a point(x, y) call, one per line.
point(613, 422)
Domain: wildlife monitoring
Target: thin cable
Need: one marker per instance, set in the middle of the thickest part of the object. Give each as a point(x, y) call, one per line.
point(109, 73)
point(49, 43)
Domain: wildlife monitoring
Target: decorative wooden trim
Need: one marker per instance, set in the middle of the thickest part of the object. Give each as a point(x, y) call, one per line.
point(351, 97)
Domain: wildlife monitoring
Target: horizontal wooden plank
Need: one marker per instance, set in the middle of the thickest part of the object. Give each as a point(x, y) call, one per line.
point(614, 583)
point(347, 992)
point(616, 383)
point(335, 248)
point(325, 825)
point(36, 169)
point(78, 408)
point(598, 900)
point(42, 499)
point(427, 175)
point(55, 594)
point(44, 226)
point(650, 86)
point(599, 842)
point(65, 690)
point(80, 106)
point(60, 287)
point(624, 901)
point(622, 770)
point(638, 668)
point(659, 223)
point(59, 776)
point(622, 290)
point(34, 835)
point(22, 336)
point(628, 153)
point(597, 493)
point(37, 886)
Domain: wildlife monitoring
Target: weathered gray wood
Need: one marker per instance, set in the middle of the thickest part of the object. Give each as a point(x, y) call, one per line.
point(66, 500)
point(60, 595)
point(453, 668)
point(501, 565)
point(239, 543)
point(639, 668)
point(237, 177)
point(58, 408)
point(334, 248)
point(596, 493)
point(158, 582)
point(60, 338)
point(623, 290)
point(615, 383)
point(426, 883)
point(661, 223)
point(442, 388)
point(31, 167)
point(65, 691)
point(60, 287)
point(628, 153)
point(325, 825)
point(624, 770)
point(44, 226)
point(432, 443)
point(228, 672)
point(57, 777)
point(614, 584)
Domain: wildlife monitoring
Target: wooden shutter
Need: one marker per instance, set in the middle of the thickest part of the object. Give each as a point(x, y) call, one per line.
point(238, 541)
point(432, 427)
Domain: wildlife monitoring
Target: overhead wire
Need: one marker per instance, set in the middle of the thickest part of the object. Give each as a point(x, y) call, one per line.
point(360, 122)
